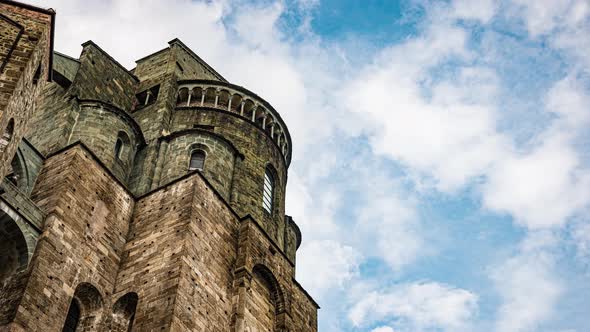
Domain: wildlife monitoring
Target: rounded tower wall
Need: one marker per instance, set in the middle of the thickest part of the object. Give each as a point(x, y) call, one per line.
point(110, 134)
point(219, 158)
point(257, 132)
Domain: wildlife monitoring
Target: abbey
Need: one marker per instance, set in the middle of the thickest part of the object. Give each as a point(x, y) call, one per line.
point(150, 199)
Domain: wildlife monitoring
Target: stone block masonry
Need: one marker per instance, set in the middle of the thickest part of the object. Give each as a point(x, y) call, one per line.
point(150, 199)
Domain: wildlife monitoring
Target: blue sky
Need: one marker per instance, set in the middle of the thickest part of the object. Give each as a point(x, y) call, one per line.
point(441, 171)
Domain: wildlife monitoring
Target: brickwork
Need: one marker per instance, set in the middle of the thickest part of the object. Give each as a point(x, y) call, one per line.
point(100, 77)
point(259, 151)
point(103, 224)
point(98, 126)
point(25, 38)
point(58, 109)
point(84, 233)
point(219, 161)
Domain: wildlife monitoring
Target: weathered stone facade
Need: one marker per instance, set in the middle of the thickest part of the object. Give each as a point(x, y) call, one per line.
point(147, 200)
point(26, 38)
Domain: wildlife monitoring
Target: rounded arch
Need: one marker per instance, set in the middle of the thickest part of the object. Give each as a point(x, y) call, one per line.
point(123, 313)
point(236, 103)
point(269, 189)
point(19, 174)
point(223, 98)
point(210, 94)
point(182, 95)
point(13, 246)
point(89, 303)
point(276, 293)
point(195, 95)
point(197, 158)
point(122, 146)
point(88, 297)
point(7, 135)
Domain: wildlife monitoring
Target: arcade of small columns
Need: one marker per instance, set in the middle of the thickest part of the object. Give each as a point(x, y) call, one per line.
point(227, 99)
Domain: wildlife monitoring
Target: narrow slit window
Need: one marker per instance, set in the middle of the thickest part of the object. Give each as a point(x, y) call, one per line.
point(118, 148)
point(267, 196)
point(197, 160)
point(122, 146)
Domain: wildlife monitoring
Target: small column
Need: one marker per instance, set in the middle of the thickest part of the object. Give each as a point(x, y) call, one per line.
point(229, 104)
point(254, 113)
point(188, 100)
point(279, 140)
point(216, 97)
point(242, 108)
point(272, 130)
point(264, 122)
point(147, 97)
point(203, 93)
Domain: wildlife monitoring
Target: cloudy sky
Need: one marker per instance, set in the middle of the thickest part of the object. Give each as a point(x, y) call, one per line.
point(441, 170)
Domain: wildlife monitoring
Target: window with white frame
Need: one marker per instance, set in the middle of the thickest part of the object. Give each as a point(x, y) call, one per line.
point(268, 192)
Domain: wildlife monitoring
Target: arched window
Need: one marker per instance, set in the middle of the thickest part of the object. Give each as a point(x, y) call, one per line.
point(118, 148)
point(122, 146)
point(268, 191)
point(124, 313)
point(14, 251)
point(73, 317)
point(197, 160)
point(85, 309)
point(7, 135)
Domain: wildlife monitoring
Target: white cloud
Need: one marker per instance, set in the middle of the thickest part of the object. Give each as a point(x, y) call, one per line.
point(549, 184)
point(417, 306)
point(581, 236)
point(391, 225)
point(542, 17)
point(528, 286)
point(482, 10)
point(383, 329)
point(326, 265)
point(444, 127)
point(438, 126)
point(540, 189)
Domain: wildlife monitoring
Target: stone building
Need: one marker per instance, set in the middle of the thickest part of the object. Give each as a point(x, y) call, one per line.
point(150, 199)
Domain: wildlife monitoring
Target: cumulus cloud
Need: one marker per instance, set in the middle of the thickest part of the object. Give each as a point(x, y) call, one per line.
point(528, 285)
point(542, 17)
point(331, 266)
point(442, 127)
point(552, 174)
point(429, 103)
point(391, 225)
point(417, 306)
point(383, 329)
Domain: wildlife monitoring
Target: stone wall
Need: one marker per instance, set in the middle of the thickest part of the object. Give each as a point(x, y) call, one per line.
point(189, 65)
point(25, 72)
point(259, 151)
point(82, 241)
point(49, 129)
point(219, 161)
point(26, 165)
point(98, 126)
point(294, 309)
point(100, 77)
point(139, 238)
point(179, 258)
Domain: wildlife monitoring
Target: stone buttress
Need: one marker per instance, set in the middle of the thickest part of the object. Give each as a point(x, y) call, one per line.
point(150, 199)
